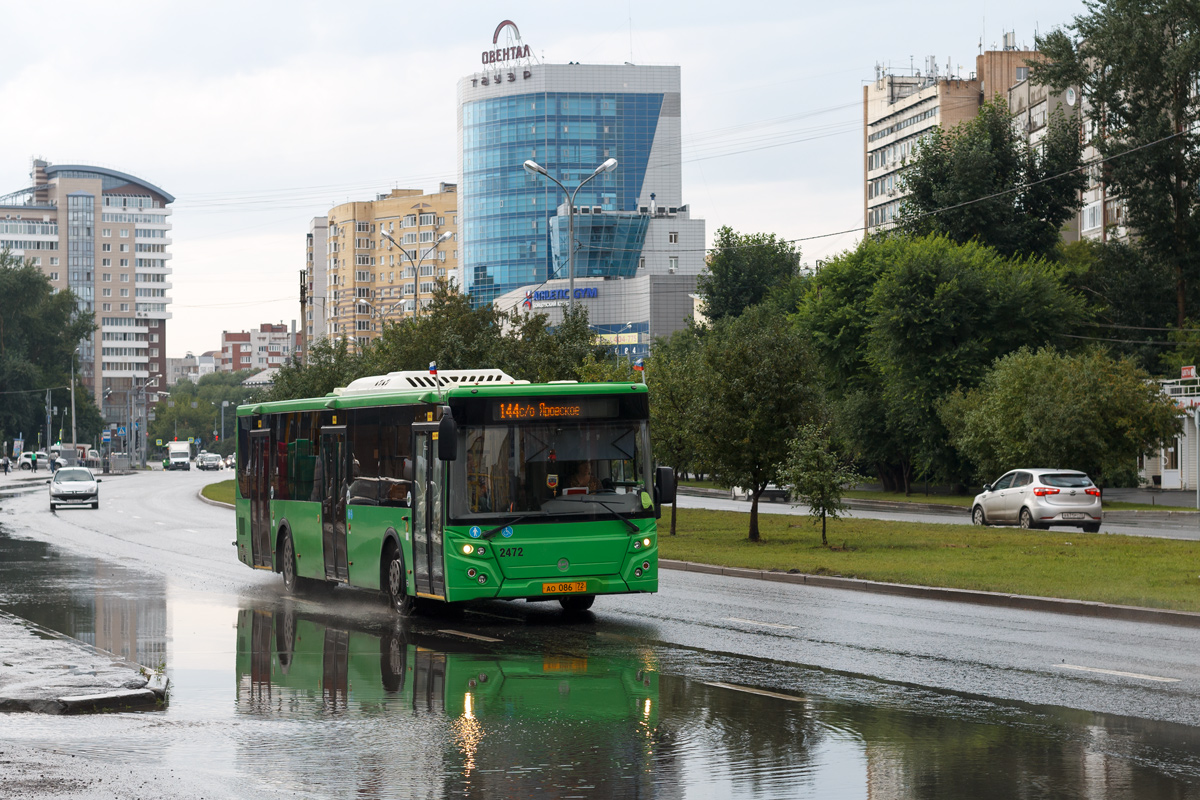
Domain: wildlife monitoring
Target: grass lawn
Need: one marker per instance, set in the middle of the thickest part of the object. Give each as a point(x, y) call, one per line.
point(1128, 570)
point(221, 491)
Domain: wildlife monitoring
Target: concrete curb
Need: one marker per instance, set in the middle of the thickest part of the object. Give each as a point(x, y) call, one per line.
point(151, 695)
point(1053, 605)
point(218, 503)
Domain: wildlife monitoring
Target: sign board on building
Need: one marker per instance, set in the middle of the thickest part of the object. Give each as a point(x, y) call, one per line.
point(1189, 372)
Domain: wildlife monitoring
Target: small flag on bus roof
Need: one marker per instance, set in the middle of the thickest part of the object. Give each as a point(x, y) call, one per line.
point(638, 366)
point(433, 368)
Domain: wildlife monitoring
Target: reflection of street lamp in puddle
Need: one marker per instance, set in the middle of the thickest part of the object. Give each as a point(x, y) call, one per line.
point(470, 733)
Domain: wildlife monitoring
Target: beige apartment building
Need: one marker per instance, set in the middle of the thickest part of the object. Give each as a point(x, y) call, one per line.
point(898, 110)
point(106, 236)
point(383, 259)
point(272, 345)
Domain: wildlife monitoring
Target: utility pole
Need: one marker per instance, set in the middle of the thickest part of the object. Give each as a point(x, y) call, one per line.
point(303, 328)
point(49, 421)
point(74, 436)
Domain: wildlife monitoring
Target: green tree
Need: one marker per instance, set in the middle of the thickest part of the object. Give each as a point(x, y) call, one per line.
point(952, 172)
point(742, 270)
point(1137, 64)
point(1130, 297)
point(193, 410)
point(901, 322)
point(671, 373)
point(1085, 411)
point(756, 385)
point(39, 331)
point(816, 475)
point(328, 364)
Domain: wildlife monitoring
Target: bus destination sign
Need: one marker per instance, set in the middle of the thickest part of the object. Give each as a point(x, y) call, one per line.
point(556, 408)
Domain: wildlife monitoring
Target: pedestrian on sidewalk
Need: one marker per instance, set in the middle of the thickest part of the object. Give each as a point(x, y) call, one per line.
point(6, 464)
point(33, 461)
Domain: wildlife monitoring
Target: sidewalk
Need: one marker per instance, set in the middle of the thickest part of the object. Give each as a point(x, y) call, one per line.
point(51, 673)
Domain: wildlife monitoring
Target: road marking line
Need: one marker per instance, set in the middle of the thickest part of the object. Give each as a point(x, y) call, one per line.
point(135, 516)
point(756, 622)
point(160, 523)
point(466, 635)
point(1137, 675)
point(752, 690)
point(188, 530)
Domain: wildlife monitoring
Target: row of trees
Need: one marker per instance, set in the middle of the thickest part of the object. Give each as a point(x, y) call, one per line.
point(39, 331)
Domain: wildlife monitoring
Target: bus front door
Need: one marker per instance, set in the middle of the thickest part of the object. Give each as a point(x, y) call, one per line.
point(335, 486)
point(259, 467)
point(429, 569)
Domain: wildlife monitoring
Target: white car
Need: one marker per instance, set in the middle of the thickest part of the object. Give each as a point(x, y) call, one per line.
point(772, 492)
point(43, 461)
point(74, 486)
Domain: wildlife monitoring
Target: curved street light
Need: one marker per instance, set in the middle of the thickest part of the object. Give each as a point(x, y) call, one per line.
point(534, 168)
point(417, 265)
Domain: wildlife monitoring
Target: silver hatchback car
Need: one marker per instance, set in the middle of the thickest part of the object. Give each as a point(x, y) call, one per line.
point(1039, 498)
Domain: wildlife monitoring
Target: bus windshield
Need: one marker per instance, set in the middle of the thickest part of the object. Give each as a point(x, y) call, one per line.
point(556, 469)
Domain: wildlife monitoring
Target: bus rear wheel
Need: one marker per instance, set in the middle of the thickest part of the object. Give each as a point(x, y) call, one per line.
point(396, 585)
point(577, 602)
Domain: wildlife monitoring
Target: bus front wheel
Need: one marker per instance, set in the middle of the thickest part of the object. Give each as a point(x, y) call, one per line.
point(290, 580)
point(397, 586)
point(577, 602)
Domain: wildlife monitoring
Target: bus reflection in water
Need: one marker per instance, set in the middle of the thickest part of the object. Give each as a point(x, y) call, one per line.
point(499, 712)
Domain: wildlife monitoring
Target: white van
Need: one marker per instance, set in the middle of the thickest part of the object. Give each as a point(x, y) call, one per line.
point(179, 455)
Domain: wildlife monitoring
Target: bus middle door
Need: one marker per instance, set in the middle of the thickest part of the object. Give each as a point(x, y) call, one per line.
point(335, 486)
point(259, 468)
point(429, 570)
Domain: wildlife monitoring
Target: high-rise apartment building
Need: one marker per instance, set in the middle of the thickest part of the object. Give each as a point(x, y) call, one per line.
point(272, 345)
point(898, 110)
point(106, 236)
point(314, 288)
point(636, 247)
point(385, 255)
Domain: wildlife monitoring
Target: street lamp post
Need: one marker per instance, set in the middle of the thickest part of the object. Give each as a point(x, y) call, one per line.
point(534, 168)
point(417, 265)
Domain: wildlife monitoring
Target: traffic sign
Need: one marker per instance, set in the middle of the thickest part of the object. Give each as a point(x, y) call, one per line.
point(105, 436)
point(120, 430)
point(158, 442)
point(191, 440)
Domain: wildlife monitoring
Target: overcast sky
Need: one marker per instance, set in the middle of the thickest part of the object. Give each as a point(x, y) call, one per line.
point(258, 116)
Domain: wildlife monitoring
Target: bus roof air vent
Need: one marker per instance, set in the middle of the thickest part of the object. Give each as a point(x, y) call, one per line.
point(410, 380)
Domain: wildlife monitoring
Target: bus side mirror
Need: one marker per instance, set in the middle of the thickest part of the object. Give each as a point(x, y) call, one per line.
point(447, 438)
point(664, 489)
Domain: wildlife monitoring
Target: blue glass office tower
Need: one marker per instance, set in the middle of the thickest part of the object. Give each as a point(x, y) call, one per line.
point(569, 118)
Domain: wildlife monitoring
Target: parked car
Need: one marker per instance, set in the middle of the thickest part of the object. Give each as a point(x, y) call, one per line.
point(43, 460)
point(208, 461)
point(772, 492)
point(1040, 498)
point(74, 486)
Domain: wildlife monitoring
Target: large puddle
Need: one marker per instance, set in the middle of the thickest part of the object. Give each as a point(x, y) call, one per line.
point(294, 696)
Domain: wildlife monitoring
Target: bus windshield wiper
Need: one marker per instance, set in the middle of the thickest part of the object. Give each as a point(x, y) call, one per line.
point(503, 525)
point(632, 527)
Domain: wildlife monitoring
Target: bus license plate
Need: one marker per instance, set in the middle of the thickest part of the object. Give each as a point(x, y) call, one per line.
point(564, 588)
point(1073, 515)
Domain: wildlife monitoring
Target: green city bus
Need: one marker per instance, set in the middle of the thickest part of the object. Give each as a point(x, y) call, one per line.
point(454, 486)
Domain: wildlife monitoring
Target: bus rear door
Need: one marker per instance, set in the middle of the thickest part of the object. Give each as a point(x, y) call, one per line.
point(260, 498)
point(334, 488)
point(429, 568)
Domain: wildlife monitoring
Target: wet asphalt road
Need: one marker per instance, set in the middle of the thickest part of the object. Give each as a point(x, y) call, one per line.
point(1126, 691)
point(154, 521)
point(1157, 528)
